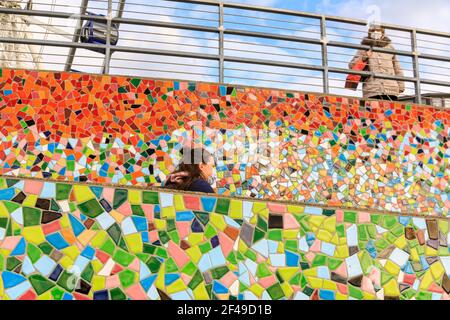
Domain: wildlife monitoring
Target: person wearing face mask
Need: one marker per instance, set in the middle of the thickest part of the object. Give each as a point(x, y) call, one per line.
point(194, 173)
point(380, 63)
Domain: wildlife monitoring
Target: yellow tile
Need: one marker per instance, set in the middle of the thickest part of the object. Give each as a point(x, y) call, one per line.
point(134, 197)
point(315, 283)
point(98, 283)
point(160, 224)
point(134, 242)
point(66, 262)
point(330, 224)
point(329, 285)
point(310, 272)
point(368, 296)
point(160, 281)
point(46, 296)
point(218, 221)
point(290, 234)
point(392, 268)
point(194, 253)
point(391, 289)
point(340, 296)
point(316, 220)
point(324, 235)
point(259, 207)
point(117, 216)
point(430, 252)
point(200, 292)
point(288, 291)
point(168, 212)
point(437, 270)
point(335, 239)
point(86, 236)
point(401, 242)
point(179, 202)
point(342, 252)
point(196, 238)
point(97, 266)
point(3, 212)
point(72, 252)
point(33, 235)
point(99, 239)
point(83, 193)
point(242, 247)
point(287, 273)
point(175, 287)
point(295, 209)
point(414, 255)
point(30, 201)
point(65, 221)
point(236, 209)
point(257, 290)
point(2, 292)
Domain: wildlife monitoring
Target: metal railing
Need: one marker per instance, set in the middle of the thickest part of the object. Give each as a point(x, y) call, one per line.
point(205, 40)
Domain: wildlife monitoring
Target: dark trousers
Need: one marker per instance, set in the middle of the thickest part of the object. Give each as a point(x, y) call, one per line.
point(385, 97)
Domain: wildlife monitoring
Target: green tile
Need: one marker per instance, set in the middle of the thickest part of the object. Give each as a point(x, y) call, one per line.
point(262, 271)
point(117, 294)
point(350, 217)
point(219, 272)
point(137, 210)
point(88, 273)
point(63, 191)
point(40, 284)
point(189, 268)
point(150, 197)
point(67, 281)
point(33, 252)
point(91, 208)
point(46, 248)
point(171, 266)
point(12, 263)
point(57, 293)
point(123, 258)
point(275, 292)
point(120, 197)
point(31, 217)
point(222, 206)
point(153, 264)
point(115, 232)
point(196, 280)
point(127, 278)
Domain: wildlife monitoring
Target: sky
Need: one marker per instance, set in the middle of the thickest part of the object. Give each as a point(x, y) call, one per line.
point(431, 14)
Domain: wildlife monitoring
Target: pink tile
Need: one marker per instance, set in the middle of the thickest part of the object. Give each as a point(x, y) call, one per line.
point(10, 243)
point(364, 217)
point(51, 227)
point(191, 202)
point(226, 244)
point(342, 288)
point(367, 285)
point(339, 216)
point(108, 194)
point(276, 208)
point(135, 292)
point(342, 270)
point(316, 246)
point(125, 209)
point(268, 281)
point(229, 279)
point(310, 257)
point(153, 236)
point(113, 282)
point(149, 211)
point(375, 276)
point(184, 228)
point(289, 222)
point(33, 187)
point(135, 265)
point(186, 279)
point(180, 257)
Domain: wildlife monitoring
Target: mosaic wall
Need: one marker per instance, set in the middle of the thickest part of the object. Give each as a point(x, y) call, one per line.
point(77, 241)
point(335, 151)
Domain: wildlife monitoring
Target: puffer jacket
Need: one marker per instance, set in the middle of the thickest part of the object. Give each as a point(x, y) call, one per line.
point(380, 63)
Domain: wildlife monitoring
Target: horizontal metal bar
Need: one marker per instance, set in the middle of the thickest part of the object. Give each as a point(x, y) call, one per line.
point(274, 63)
point(272, 36)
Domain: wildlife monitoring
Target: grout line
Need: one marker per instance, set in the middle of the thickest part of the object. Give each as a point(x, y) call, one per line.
point(181, 192)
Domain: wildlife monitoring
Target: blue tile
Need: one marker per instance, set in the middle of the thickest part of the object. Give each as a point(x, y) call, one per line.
point(77, 226)
point(208, 204)
point(57, 241)
point(7, 194)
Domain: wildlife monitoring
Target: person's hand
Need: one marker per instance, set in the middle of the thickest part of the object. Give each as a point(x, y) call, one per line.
point(367, 55)
point(178, 177)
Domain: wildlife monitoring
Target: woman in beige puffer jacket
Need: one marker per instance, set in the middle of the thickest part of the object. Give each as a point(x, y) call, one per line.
point(380, 63)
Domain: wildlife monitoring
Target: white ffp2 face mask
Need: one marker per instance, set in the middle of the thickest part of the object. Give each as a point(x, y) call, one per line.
point(376, 35)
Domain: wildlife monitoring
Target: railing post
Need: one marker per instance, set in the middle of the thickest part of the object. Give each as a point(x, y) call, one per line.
point(324, 40)
point(221, 44)
point(416, 66)
point(108, 38)
point(76, 36)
